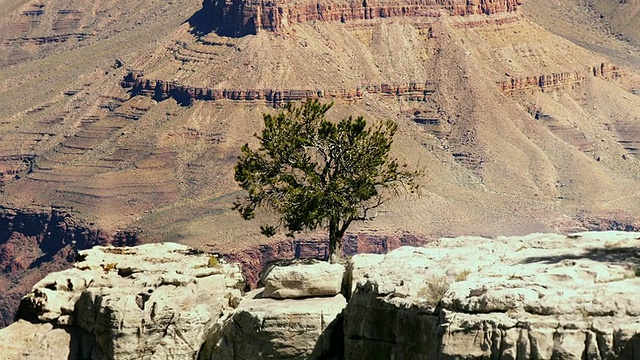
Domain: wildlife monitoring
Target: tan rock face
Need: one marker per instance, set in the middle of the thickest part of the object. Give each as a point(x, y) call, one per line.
point(359, 268)
point(156, 301)
point(28, 341)
point(264, 328)
point(242, 17)
point(304, 280)
point(533, 297)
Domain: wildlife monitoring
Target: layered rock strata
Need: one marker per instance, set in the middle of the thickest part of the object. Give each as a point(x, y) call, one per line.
point(561, 80)
point(242, 17)
point(412, 91)
point(160, 90)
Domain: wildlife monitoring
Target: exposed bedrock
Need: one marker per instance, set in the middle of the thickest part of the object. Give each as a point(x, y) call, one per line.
point(185, 95)
point(255, 259)
point(561, 80)
point(414, 91)
point(242, 17)
point(153, 301)
point(39, 241)
point(539, 296)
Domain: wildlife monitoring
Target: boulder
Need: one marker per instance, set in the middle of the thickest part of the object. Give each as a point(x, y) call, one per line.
point(303, 280)
point(28, 341)
point(539, 296)
point(358, 269)
point(263, 328)
point(154, 301)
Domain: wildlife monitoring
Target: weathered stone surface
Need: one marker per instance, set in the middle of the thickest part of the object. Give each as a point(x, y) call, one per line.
point(254, 260)
point(264, 328)
point(154, 301)
point(44, 341)
point(26, 235)
point(241, 17)
point(304, 280)
point(539, 296)
point(358, 268)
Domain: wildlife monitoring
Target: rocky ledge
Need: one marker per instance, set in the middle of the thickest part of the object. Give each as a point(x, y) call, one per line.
point(149, 301)
point(541, 296)
point(242, 17)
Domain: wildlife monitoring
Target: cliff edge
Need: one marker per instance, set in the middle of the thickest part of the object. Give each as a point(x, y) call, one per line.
point(243, 17)
point(540, 296)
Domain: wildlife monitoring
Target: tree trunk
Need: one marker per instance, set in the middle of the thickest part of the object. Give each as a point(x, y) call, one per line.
point(334, 241)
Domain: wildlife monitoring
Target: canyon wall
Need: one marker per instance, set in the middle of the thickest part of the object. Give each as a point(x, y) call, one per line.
point(562, 80)
point(160, 90)
point(242, 17)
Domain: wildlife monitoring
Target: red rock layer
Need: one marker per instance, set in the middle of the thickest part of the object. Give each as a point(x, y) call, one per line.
point(241, 17)
point(254, 260)
point(552, 81)
point(183, 94)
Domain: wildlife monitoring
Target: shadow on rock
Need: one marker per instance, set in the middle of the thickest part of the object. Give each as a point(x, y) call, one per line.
point(621, 255)
point(223, 19)
point(330, 345)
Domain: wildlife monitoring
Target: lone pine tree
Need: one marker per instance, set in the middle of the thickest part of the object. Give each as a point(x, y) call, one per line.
point(317, 173)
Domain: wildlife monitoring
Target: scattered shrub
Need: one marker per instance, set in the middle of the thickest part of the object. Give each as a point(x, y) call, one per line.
point(109, 267)
point(213, 262)
point(434, 291)
point(463, 275)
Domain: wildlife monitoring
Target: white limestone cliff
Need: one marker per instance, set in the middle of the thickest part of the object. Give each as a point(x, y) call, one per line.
point(154, 301)
point(540, 296)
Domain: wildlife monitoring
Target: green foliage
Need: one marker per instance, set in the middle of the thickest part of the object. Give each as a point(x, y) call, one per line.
point(316, 173)
point(463, 275)
point(213, 262)
point(108, 267)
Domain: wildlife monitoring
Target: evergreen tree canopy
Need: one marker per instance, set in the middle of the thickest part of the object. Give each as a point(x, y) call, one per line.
point(317, 173)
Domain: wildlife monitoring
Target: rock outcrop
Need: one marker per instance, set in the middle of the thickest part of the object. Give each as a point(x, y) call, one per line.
point(303, 280)
point(561, 80)
point(297, 315)
point(35, 242)
point(154, 301)
point(541, 296)
point(242, 17)
point(183, 94)
point(532, 297)
point(264, 328)
point(254, 260)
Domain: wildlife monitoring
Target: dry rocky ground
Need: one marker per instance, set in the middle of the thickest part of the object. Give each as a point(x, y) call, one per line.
point(522, 120)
